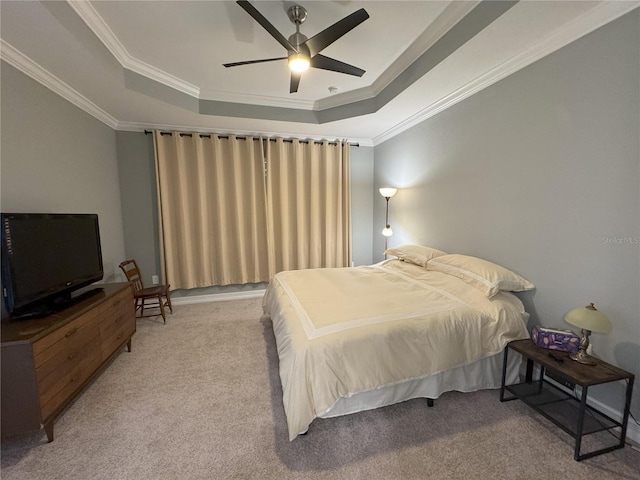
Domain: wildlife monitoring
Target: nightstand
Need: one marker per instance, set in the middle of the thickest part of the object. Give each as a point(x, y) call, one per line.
point(560, 406)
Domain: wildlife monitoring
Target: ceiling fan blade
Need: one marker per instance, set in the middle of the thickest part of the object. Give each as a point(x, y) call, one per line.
point(295, 81)
point(249, 62)
point(258, 17)
point(327, 63)
point(329, 35)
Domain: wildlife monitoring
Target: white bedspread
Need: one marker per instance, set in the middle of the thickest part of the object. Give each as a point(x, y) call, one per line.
point(342, 331)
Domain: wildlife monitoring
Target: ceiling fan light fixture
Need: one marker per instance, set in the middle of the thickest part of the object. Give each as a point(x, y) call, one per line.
point(300, 49)
point(299, 62)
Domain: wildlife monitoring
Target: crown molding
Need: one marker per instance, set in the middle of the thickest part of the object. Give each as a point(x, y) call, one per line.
point(99, 27)
point(586, 23)
point(27, 66)
point(252, 99)
point(341, 99)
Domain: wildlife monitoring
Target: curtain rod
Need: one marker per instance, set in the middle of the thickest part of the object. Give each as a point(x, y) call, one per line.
point(286, 140)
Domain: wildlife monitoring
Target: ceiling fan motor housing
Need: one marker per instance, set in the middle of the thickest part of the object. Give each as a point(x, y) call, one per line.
point(297, 40)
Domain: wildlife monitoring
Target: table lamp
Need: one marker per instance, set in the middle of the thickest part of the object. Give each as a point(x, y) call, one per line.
point(589, 319)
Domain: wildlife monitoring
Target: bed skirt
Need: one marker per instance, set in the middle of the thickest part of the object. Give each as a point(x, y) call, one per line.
point(484, 374)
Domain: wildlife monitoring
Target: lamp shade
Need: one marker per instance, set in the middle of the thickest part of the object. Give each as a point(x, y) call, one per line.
point(387, 231)
point(388, 192)
point(589, 318)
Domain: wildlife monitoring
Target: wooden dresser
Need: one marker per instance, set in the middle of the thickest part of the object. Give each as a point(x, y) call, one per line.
point(46, 362)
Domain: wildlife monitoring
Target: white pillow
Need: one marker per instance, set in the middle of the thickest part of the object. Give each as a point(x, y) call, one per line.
point(486, 276)
point(417, 254)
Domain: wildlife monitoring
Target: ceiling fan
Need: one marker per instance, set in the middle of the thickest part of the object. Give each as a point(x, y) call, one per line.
point(303, 52)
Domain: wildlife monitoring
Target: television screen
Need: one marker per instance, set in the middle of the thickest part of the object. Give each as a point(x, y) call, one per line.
point(45, 257)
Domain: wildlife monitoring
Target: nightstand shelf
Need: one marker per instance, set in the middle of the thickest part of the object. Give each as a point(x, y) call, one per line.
point(561, 407)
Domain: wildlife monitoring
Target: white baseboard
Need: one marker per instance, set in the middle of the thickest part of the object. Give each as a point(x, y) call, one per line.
point(217, 297)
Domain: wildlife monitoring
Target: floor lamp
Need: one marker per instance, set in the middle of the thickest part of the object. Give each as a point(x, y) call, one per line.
point(387, 193)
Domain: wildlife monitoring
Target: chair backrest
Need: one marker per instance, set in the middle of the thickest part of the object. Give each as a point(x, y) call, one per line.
point(132, 272)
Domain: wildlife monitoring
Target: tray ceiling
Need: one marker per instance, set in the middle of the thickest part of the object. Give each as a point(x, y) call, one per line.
point(157, 64)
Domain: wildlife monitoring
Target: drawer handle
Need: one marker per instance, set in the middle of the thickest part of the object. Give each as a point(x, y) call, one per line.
point(70, 356)
point(70, 332)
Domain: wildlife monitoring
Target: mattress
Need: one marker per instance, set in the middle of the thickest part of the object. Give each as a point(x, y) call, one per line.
point(349, 332)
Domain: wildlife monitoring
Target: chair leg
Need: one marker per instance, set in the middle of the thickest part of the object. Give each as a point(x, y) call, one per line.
point(169, 302)
point(161, 303)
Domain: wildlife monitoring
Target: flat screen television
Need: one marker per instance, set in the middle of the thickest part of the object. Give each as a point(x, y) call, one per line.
point(45, 258)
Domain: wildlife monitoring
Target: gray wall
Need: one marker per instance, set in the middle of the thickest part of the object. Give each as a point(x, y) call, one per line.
point(139, 201)
point(540, 173)
point(361, 204)
point(140, 207)
point(58, 159)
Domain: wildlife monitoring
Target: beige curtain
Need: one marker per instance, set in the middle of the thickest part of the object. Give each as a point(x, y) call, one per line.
point(211, 195)
point(309, 204)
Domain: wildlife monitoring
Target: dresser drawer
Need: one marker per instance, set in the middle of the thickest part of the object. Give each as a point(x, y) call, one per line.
point(120, 325)
point(118, 330)
point(123, 313)
point(68, 385)
point(67, 349)
point(56, 373)
point(116, 339)
point(75, 333)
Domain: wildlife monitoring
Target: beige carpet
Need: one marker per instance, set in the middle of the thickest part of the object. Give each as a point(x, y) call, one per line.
point(200, 398)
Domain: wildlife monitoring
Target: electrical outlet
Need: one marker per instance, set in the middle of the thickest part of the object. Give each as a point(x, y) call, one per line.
point(155, 279)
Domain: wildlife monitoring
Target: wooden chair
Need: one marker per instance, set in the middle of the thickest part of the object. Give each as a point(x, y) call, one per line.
point(149, 297)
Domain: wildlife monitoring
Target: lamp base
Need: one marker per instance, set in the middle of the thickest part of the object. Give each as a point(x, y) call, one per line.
point(582, 357)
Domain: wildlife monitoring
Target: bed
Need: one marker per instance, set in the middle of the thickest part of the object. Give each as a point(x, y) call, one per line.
point(419, 325)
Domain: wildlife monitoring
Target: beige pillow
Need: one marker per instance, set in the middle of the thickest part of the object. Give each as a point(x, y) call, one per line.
point(417, 254)
point(486, 276)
